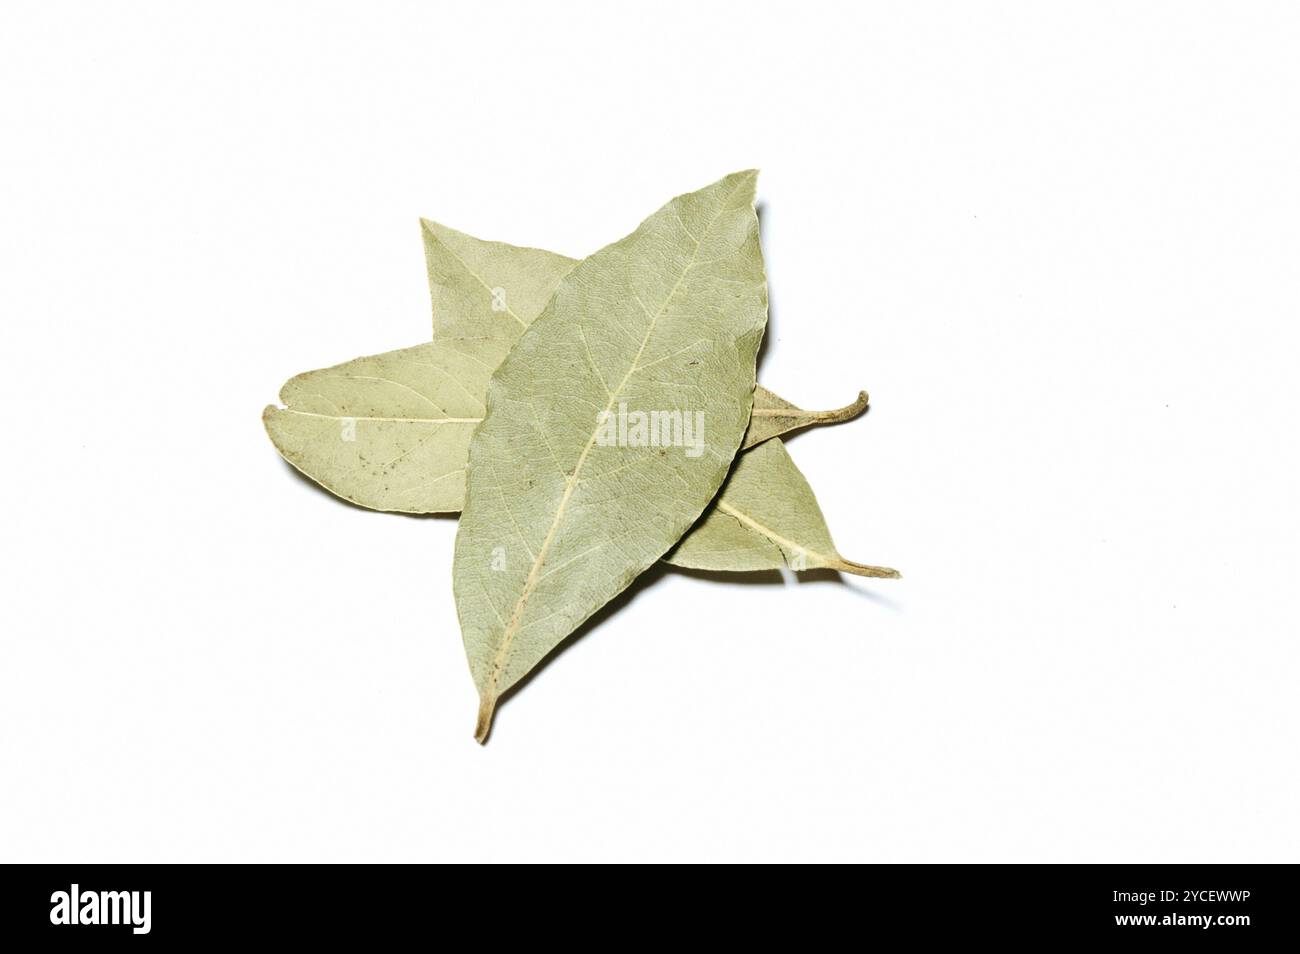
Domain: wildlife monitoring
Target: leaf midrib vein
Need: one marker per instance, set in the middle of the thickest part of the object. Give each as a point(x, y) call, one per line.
point(768, 532)
point(384, 420)
point(478, 278)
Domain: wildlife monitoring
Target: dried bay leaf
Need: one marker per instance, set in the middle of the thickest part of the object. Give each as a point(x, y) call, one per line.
point(766, 517)
point(559, 520)
point(390, 431)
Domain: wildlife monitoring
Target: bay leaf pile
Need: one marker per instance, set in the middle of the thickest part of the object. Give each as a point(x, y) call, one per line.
point(586, 419)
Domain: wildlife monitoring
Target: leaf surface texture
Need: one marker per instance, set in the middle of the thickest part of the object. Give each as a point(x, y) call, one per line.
point(390, 431)
point(765, 518)
point(556, 522)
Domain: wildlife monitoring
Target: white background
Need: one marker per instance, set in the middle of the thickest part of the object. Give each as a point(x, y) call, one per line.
point(1057, 243)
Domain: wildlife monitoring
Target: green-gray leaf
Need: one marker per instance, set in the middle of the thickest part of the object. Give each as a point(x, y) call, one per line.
point(390, 431)
point(557, 520)
point(765, 518)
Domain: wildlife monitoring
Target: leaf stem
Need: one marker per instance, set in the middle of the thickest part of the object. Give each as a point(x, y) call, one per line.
point(862, 569)
point(845, 413)
point(812, 418)
point(486, 707)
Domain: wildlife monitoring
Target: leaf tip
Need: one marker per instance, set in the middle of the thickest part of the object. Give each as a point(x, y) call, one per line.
point(862, 569)
point(483, 728)
point(846, 413)
point(432, 231)
point(269, 414)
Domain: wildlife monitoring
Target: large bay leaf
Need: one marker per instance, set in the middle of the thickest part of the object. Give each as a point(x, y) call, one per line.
point(765, 518)
point(390, 431)
point(558, 519)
